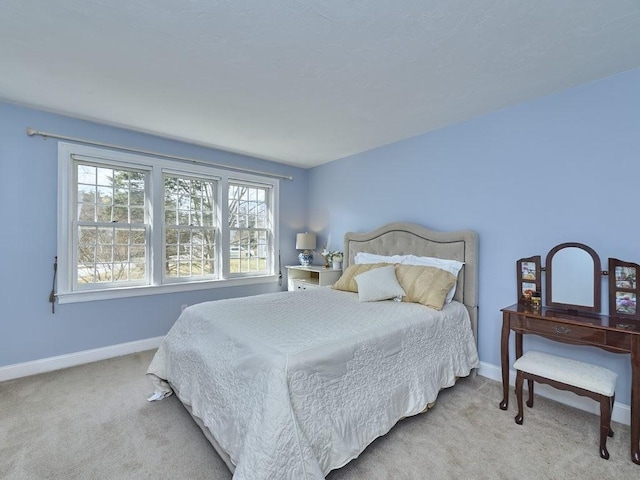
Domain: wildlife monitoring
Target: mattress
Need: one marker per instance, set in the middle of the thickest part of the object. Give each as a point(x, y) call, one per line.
point(294, 385)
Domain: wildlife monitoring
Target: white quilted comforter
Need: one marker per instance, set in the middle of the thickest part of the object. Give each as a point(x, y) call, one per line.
point(294, 385)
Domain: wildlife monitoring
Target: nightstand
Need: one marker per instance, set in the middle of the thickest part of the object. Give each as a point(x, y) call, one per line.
point(312, 276)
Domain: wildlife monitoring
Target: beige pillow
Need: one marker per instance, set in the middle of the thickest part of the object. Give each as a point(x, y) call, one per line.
point(347, 280)
point(426, 285)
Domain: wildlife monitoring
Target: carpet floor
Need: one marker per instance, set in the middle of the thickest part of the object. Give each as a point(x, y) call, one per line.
point(93, 422)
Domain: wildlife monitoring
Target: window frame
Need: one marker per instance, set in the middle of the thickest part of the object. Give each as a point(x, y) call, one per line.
point(158, 283)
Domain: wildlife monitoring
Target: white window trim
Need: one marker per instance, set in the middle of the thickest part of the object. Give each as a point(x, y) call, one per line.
point(157, 166)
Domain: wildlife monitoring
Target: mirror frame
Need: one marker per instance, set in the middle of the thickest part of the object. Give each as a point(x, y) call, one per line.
point(597, 280)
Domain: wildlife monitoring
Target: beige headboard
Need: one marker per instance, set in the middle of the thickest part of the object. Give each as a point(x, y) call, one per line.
point(409, 238)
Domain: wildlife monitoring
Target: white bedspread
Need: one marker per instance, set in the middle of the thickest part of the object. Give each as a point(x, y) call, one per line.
point(294, 385)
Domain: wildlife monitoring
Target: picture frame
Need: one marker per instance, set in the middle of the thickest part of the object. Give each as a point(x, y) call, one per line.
point(529, 273)
point(623, 289)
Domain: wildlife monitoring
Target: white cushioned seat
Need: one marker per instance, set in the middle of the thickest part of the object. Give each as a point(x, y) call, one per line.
point(568, 371)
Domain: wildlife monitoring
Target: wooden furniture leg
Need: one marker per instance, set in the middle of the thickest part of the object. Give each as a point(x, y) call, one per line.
point(605, 425)
point(530, 401)
point(519, 382)
point(635, 399)
point(504, 360)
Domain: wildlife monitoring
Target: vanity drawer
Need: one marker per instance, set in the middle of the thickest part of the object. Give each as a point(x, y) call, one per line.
point(559, 330)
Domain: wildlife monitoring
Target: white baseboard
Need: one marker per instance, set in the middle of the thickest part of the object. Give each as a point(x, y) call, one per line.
point(621, 413)
point(50, 364)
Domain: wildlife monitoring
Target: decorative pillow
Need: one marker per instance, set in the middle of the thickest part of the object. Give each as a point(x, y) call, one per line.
point(426, 285)
point(347, 280)
point(452, 266)
point(379, 284)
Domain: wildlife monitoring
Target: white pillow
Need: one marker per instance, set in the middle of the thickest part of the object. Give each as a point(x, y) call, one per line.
point(379, 284)
point(362, 258)
point(452, 266)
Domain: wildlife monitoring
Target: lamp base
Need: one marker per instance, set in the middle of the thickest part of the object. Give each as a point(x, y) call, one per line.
point(305, 259)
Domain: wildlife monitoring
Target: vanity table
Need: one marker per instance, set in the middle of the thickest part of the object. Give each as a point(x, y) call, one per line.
point(571, 312)
point(602, 331)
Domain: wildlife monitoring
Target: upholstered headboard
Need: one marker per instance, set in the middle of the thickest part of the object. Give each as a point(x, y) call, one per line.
point(409, 238)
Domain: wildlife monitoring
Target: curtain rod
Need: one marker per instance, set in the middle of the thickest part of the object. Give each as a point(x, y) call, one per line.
point(31, 132)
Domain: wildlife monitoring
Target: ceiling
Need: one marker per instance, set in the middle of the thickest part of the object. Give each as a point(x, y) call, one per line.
point(303, 82)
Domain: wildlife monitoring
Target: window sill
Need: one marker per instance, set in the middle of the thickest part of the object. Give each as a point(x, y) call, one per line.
point(126, 292)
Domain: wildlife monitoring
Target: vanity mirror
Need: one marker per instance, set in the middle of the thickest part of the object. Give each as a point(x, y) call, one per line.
point(573, 281)
point(573, 278)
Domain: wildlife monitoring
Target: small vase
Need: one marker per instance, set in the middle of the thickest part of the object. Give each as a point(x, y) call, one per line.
point(305, 258)
point(337, 265)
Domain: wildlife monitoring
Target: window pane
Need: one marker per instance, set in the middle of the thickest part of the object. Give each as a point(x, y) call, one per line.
point(183, 217)
point(138, 236)
point(121, 214)
point(87, 212)
point(88, 235)
point(137, 271)
point(86, 193)
point(137, 254)
point(87, 174)
point(105, 176)
point(87, 255)
point(137, 215)
point(121, 197)
point(121, 253)
point(104, 213)
point(170, 217)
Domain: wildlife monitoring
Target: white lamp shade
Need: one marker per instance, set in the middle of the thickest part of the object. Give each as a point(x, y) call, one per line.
point(305, 241)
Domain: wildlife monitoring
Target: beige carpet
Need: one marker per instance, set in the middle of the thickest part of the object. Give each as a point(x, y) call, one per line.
point(93, 422)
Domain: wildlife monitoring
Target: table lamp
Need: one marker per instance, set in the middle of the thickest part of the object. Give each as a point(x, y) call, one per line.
point(305, 241)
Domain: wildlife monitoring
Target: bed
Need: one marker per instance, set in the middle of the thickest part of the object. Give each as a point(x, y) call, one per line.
point(296, 384)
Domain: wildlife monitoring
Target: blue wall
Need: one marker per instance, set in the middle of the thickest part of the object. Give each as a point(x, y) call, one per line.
point(28, 214)
point(560, 168)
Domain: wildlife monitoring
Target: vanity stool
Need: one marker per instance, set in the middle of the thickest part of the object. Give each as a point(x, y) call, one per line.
point(575, 376)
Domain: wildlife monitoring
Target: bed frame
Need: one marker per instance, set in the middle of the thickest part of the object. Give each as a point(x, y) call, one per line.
point(404, 238)
point(409, 238)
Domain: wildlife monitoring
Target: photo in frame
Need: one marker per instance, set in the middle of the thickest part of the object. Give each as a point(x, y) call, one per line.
point(529, 272)
point(623, 289)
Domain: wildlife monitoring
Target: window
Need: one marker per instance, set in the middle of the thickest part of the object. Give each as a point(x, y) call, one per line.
point(111, 227)
point(134, 225)
point(189, 227)
point(249, 228)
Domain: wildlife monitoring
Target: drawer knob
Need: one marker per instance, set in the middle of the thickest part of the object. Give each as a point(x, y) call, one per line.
point(562, 330)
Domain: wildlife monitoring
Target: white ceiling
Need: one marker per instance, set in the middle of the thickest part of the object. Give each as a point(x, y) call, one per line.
point(303, 82)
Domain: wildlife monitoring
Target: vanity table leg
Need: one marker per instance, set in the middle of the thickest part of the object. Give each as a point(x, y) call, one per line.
point(504, 359)
point(635, 399)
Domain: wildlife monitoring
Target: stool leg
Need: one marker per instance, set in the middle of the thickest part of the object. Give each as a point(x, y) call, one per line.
point(613, 400)
point(519, 382)
point(530, 401)
point(605, 423)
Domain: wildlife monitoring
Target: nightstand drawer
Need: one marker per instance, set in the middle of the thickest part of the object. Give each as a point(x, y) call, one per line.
point(303, 285)
point(559, 330)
